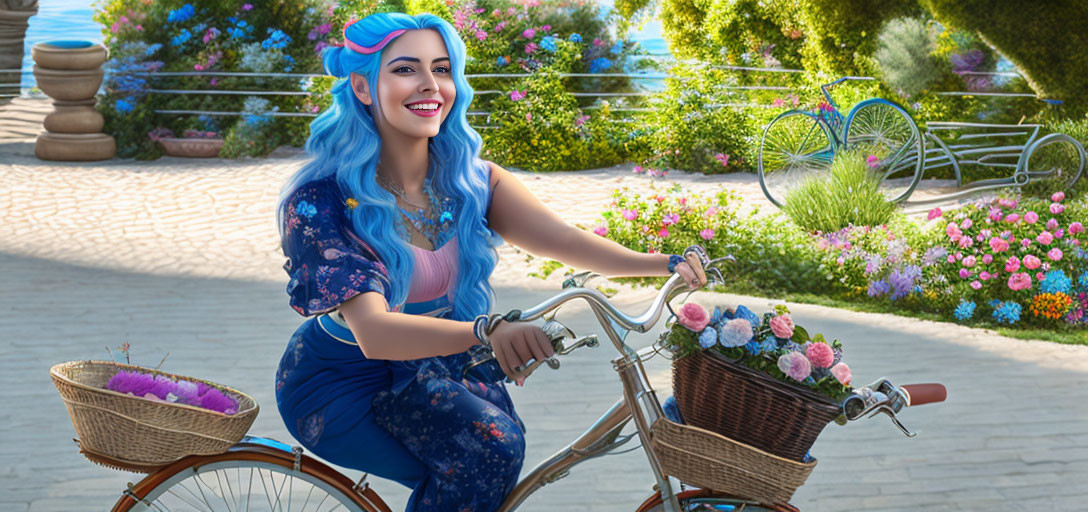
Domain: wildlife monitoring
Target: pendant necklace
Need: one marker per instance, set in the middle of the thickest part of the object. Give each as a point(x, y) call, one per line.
point(423, 220)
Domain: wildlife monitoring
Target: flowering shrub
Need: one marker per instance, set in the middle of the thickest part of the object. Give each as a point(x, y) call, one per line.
point(771, 344)
point(849, 194)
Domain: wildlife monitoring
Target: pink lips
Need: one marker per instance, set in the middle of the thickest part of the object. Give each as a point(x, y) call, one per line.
point(423, 113)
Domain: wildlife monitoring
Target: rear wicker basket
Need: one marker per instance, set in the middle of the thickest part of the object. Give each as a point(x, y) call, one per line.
point(137, 434)
point(713, 461)
point(742, 404)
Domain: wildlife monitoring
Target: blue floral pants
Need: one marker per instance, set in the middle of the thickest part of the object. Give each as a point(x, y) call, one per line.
point(465, 433)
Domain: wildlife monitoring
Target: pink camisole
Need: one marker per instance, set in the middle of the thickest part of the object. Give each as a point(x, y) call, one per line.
point(435, 272)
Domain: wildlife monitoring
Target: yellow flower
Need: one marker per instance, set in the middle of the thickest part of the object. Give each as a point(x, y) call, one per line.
point(351, 202)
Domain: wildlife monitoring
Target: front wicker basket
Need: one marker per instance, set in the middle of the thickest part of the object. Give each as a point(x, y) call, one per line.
point(718, 395)
point(712, 461)
point(137, 434)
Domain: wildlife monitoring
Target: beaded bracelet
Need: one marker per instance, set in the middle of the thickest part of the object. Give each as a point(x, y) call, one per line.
point(674, 260)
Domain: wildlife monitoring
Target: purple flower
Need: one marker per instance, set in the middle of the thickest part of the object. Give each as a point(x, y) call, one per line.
point(517, 95)
point(247, 7)
point(795, 365)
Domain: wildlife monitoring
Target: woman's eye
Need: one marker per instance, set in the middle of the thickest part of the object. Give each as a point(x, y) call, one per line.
point(406, 69)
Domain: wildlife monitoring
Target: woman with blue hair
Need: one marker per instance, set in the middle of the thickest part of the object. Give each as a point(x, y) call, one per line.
point(390, 234)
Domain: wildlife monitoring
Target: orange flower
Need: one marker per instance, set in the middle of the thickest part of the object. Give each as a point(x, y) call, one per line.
point(1050, 305)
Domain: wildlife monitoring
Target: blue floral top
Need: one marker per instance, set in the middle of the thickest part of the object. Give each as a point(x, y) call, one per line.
point(328, 264)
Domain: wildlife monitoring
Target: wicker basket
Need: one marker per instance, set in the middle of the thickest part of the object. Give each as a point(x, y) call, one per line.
point(137, 434)
point(748, 406)
point(713, 461)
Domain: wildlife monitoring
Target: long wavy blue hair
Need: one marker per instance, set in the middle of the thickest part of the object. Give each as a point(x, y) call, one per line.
point(344, 141)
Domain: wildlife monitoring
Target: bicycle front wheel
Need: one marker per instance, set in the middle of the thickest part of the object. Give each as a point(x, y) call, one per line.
point(1056, 156)
point(889, 138)
point(252, 478)
point(796, 147)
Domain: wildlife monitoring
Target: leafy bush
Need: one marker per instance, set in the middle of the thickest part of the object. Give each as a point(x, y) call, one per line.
point(849, 194)
point(904, 56)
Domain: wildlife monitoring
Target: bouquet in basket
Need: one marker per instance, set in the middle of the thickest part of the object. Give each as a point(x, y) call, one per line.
point(771, 345)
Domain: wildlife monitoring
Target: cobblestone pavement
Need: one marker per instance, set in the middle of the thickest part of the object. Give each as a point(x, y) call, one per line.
point(181, 257)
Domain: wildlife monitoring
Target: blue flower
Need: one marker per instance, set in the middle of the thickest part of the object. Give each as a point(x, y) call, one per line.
point(716, 316)
point(124, 106)
point(306, 209)
point(180, 39)
point(599, 64)
point(179, 15)
point(199, 28)
point(1007, 312)
point(548, 43)
point(502, 61)
point(152, 49)
point(770, 344)
point(965, 310)
point(575, 38)
point(745, 313)
point(994, 303)
point(753, 347)
point(917, 288)
point(878, 288)
point(1056, 282)
point(708, 338)
point(617, 48)
point(1083, 280)
point(276, 39)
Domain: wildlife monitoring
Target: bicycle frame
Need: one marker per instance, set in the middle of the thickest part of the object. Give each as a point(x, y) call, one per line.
point(639, 400)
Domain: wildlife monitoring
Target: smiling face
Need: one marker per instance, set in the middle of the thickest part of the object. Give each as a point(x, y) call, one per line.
point(415, 69)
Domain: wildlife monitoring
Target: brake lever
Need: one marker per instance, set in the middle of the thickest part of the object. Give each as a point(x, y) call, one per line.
point(888, 411)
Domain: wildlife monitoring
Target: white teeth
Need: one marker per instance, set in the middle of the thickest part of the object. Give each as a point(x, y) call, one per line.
point(428, 106)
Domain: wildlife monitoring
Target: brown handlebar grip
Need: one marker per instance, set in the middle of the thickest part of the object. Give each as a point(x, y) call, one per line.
point(920, 394)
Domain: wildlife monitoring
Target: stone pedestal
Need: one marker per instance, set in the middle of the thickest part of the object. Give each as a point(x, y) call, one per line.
point(14, 15)
point(70, 72)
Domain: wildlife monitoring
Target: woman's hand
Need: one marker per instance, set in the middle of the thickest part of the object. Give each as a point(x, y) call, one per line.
point(515, 343)
point(691, 270)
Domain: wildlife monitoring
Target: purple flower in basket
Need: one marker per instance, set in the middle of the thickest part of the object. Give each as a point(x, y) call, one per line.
point(795, 365)
point(161, 387)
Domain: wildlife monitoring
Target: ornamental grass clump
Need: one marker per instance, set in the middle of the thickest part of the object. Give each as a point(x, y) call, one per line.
point(771, 344)
point(849, 195)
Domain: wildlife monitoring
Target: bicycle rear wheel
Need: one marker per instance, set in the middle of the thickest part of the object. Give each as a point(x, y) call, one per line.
point(796, 147)
point(879, 128)
point(248, 477)
point(705, 500)
point(1056, 156)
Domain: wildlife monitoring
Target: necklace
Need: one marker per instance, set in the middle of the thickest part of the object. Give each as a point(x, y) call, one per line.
point(423, 220)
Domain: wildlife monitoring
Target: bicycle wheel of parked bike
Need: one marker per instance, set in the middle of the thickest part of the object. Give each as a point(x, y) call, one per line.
point(889, 139)
point(252, 478)
point(1057, 156)
point(797, 146)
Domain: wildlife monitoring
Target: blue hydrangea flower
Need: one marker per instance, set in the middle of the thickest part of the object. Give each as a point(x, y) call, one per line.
point(745, 313)
point(1007, 312)
point(994, 303)
point(708, 338)
point(276, 39)
point(180, 39)
point(599, 64)
point(548, 43)
point(769, 344)
point(306, 209)
point(152, 49)
point(753, 347)
point(182, 14)
point(617, 48)
point(124, 106)
point(965, 310)
point(1056, 282)
point(878, 288)
point(575, 38)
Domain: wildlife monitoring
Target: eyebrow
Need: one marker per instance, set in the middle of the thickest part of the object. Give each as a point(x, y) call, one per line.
point(413, 59)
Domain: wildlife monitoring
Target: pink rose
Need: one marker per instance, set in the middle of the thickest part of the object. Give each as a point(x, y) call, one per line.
point(528, 33)
point(601, 230)
point(951, 258)
point(795, 365)
point(1019, 281)
point(964, 273)
point(1057, 197)
point(1076, 228)
point(1032, 262)
point(1055, 254)
point(1052, 224)
point(1012, 264)
point(630, 214)
point(999, 244)
point(841, 373)
point(966, 224)
point(934, 213)
point(1012, 218)
point(987, 259)
point(1045, 238)
point(782, 326)
point(965, 242)
point(976, 285)
point(1057, 208)
point(1040, 276)
point(694, 317)
point(984, 275)
point(1031, 217)
point(959, 255)
point(953, 231)
point(969, 261)
point(707, 234)
point(664, 233)
point(819, 354)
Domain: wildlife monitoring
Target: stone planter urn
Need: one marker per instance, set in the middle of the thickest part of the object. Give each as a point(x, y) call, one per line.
point(191, 148)
point(14, 15)
point(70, 72)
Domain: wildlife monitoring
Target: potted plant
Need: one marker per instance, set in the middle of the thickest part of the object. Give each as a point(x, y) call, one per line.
point(192, 144)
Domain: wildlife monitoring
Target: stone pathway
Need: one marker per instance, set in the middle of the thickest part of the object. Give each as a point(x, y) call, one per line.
point(181, 257)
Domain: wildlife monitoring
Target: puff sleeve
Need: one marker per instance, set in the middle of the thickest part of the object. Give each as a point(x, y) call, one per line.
point(326, 262)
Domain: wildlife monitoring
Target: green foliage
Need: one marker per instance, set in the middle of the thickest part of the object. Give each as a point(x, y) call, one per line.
point(842, 35)
point(904, 56)
point(692, 126)
point(849, 195)
point(1045, 40)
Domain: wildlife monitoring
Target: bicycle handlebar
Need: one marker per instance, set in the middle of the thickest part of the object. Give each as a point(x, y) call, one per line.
point(882, 397)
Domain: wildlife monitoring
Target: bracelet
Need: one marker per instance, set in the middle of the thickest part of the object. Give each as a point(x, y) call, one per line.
point(674, 260)
point(479, 328)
